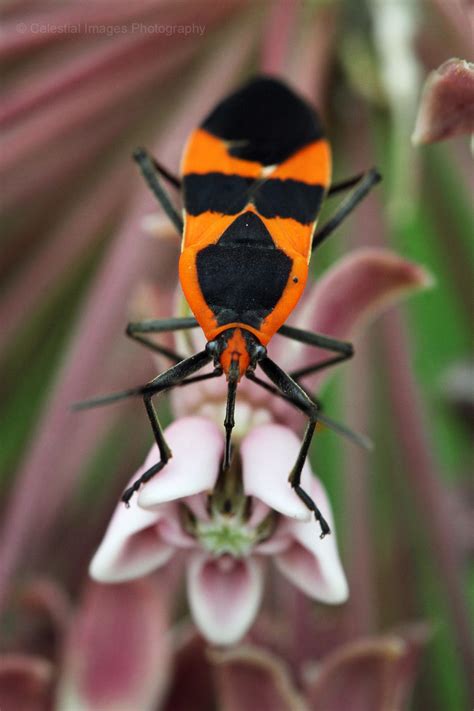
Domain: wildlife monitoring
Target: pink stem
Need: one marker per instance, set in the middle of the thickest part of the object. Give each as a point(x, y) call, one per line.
point(61, 163)
point(310, 62)
point(359, 393)
point(357, 470)
point(432, 500)
point(96, 102)
point(85, 107)
point(87, 67)
point(71, 240)
point(280, 26)
point(65, 160)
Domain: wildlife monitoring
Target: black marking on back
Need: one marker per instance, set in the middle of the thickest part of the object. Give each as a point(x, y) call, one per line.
point(243, 275)
point(216, 192)
point(264, 121)
point(247, 229)
point(229, 194)
point(289, 198)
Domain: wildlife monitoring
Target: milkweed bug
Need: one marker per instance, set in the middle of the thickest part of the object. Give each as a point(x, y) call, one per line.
point(254, 175)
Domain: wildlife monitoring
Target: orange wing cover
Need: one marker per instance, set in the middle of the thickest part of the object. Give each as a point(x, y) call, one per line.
point(254, 177)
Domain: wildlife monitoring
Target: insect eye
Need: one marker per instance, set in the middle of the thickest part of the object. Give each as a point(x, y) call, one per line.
point(260, 352)
point(212, 348)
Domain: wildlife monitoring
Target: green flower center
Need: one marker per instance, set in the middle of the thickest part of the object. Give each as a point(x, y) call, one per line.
point(226, 535)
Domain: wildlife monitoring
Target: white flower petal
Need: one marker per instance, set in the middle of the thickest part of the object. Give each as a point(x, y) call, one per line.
point(268, 454)
point(197, 445)
point(224, 596)
point(131, 547)
point(312, 564)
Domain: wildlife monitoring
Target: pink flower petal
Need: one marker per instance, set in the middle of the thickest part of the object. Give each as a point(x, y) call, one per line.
point(312, 564)
point(268, 454)
point(224, 596)
point(118, 652)
point(447, 103)
point(26, 683)
point(46, 597)
point(197, 445)
point(249, 677)
point(369, 674)
point(357, 288)
point(132, 545)
point(190, 662)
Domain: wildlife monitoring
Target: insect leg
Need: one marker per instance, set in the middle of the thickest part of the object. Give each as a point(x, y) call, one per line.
point(365, 184)
point(157, 348)
point(167, 175)
point(169, 379)
point(342, 430)
point(345, 349)
point(310, 369)
point(150, 173)
point(296, 395)
point(161, 325)
point(134, 330)
point(134, 392)
point(344, 184)
point(216, 373)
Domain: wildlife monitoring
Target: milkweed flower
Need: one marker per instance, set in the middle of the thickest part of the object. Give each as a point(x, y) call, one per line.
point(226, 526)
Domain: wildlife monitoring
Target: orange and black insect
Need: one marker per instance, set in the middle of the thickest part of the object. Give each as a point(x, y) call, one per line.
point(254, 176)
